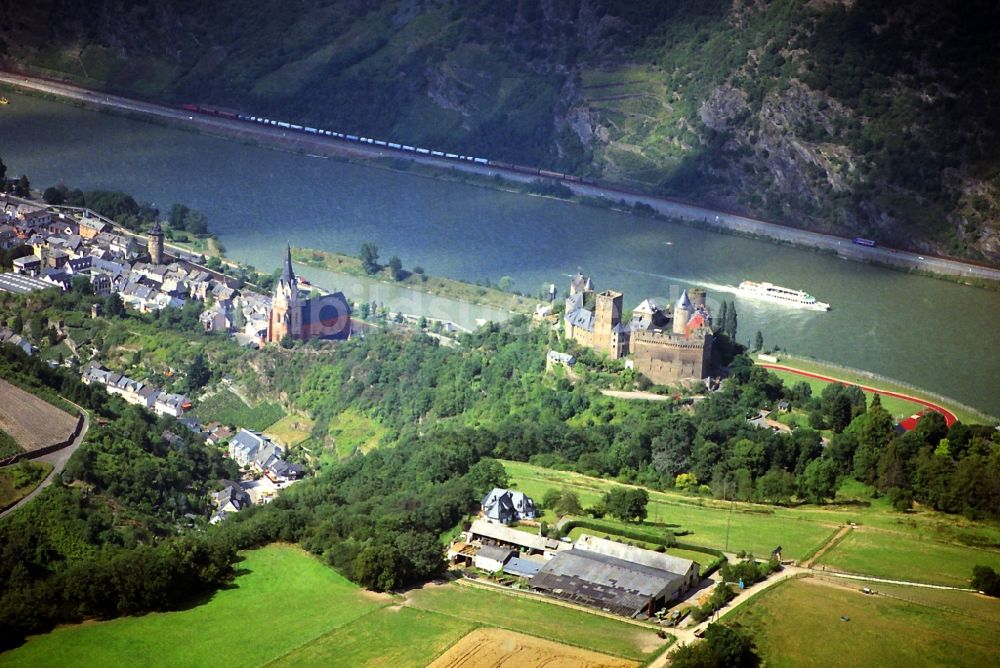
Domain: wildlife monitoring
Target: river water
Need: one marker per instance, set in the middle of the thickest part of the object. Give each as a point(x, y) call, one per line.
point(927, 332)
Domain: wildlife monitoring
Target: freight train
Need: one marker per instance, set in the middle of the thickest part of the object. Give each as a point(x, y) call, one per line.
point(285, 125)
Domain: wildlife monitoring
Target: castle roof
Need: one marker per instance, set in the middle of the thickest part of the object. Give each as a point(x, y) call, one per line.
point(683, 302)
point(156, 230)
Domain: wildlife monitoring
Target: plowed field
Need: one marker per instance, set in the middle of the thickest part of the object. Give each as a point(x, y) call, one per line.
point(496, 648)
point(32, 422)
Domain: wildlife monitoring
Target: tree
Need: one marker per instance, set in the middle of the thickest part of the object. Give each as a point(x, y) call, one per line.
point(54, 196)
point(819, 480)
point(369, 258)
point(113, 307)
point(198, 373)
point(627, 504)
point(723, 315)
point(731, 323)
point(3, 175)
point(396, 268)
point(986, 580)
point(758, 342)
point(22, 188)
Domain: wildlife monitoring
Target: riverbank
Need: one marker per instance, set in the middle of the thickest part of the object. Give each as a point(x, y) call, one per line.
point(267, 136)
point(417, 280)
point(860, 377)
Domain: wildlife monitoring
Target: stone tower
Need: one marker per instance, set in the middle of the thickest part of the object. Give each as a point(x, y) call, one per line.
point(286, 315)
point(682, 313)
point(155, 244)
point(607, 317)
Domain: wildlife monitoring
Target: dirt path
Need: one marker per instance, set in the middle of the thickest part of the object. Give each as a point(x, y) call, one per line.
point(844, 530)
point(647, 396)
point(949, 417)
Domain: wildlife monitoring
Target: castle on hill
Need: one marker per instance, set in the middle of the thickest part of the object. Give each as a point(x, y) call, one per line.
point(668, 344)
point(304, 318)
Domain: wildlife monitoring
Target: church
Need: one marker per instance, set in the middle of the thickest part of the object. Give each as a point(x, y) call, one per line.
point(304, 318)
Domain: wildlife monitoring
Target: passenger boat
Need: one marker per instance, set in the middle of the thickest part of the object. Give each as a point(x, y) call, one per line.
point(780, 295)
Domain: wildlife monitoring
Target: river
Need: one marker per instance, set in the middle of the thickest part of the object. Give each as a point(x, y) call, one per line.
point(923, 331)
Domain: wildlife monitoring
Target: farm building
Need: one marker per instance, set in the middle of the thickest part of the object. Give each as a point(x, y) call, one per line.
point(622, 579)
point(487, 533)
point(492, 558)
point(506, 506)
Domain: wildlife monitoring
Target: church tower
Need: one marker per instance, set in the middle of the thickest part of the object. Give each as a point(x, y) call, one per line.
point(286, 314)
point(155, 244)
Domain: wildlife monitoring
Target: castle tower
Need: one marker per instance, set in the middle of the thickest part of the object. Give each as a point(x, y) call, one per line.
point(607, 317)
point(155, 244)
point(286, 316)
point(682, 313)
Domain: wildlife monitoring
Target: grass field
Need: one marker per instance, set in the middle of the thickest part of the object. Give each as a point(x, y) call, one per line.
point(286, 607)
point(283, 599)
point(290, 430)
point(922, 546)
point(8, 446)
point(351, 431)
point(898, 408)
point(227, 408)
point(17, 481)
point(750, 527)
point(538, 618)
point(392, 636)
point(797, 624)
point(899, 556)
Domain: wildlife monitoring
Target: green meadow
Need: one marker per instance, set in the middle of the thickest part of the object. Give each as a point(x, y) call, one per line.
point(282, 599)
point(800, 624)
point(287, 608)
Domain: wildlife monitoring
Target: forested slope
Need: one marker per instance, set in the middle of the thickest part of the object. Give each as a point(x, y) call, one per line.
point(865, 117)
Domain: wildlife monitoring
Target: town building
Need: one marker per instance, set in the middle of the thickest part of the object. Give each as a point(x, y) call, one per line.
point(668, 345)
point(304, 318)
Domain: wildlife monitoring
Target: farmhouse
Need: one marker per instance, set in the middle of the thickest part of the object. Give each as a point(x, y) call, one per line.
point(612, 576)
point(506, 506)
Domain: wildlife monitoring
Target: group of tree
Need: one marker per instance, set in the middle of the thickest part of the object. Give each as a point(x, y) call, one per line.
point(723, 647)
point(184, 218)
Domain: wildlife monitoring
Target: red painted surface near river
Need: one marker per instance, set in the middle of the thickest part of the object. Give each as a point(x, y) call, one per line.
point(949, 417)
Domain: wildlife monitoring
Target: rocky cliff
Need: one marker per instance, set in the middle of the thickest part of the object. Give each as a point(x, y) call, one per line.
point(849, 116)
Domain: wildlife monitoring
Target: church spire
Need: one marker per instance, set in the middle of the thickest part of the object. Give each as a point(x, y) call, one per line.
point(287, 274)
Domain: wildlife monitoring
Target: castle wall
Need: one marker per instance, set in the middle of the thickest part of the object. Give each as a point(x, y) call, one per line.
point(668, 358)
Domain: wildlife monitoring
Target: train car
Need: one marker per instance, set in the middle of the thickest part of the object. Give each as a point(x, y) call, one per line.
point(481, 161)
point(379, 142)
point(551, 175)
point(439, 154)
point(863, 242)
point(190, 107)
point(451, 155)
point(408, 148)
point(351, 137)
point(293, 126)
point(423, 150)
point(282, 124)
point(311, 131)
point(394, 145)
point(573, 178)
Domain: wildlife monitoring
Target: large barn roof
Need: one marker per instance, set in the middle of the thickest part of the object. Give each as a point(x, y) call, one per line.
point(638, 555)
